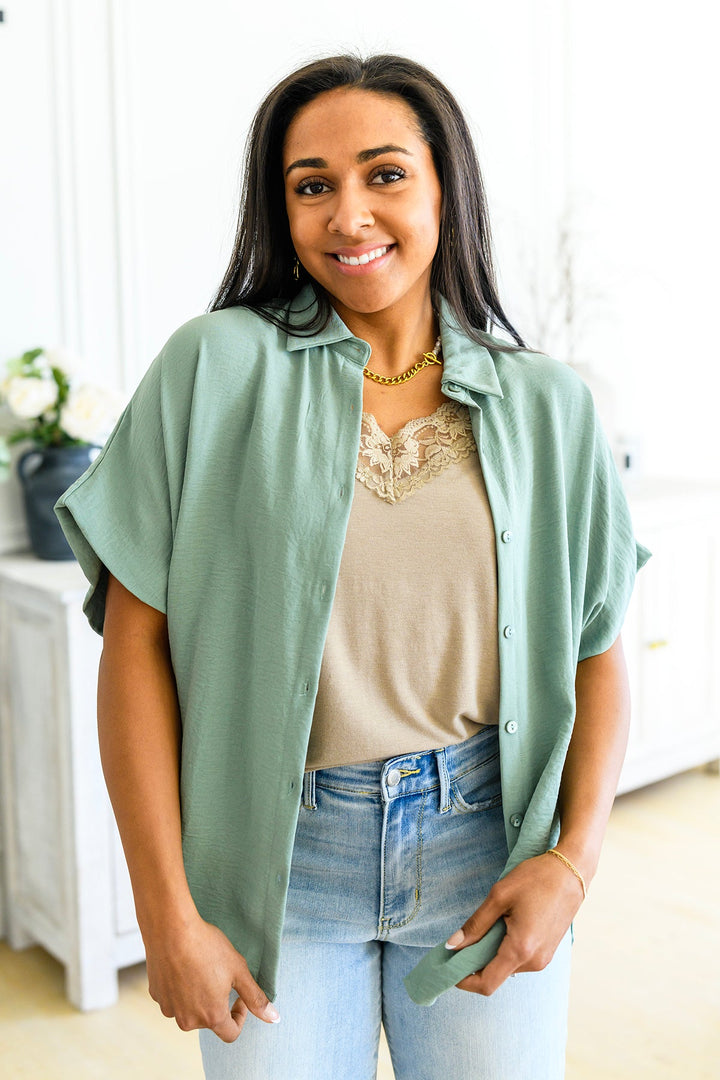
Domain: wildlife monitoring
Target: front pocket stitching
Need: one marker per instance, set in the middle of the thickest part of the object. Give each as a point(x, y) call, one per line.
point(489, 804)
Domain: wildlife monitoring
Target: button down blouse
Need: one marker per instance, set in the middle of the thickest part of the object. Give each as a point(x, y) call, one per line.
point(222, 498)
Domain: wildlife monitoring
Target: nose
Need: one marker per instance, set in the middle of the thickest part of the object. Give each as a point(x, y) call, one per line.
point(350, 210)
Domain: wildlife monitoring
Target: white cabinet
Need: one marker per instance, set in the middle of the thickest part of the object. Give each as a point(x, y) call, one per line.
point(672, 632)
point(66, 883)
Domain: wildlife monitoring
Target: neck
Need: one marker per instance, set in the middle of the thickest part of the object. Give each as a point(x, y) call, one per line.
point(398, 335)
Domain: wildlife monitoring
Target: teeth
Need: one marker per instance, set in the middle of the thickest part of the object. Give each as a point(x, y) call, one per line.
point(360, 260)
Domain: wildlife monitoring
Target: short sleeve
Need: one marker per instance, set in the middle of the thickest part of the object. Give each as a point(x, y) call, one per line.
point(117, 515)
point(613, 554)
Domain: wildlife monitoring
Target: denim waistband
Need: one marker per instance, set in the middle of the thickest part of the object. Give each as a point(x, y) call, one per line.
point(406, 774)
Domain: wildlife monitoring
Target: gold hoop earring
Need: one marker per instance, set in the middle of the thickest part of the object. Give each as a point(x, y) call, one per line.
point(296, 269)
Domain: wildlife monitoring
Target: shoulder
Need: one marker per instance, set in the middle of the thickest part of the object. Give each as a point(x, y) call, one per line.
point(217, 352)
point(537, 384)
point(546, 411)
point(233, 329)
point(536, 370)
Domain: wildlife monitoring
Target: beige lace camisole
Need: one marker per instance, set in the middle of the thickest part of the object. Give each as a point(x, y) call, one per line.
point(411, 659)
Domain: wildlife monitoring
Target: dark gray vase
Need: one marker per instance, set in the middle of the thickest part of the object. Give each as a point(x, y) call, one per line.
point(45, 473)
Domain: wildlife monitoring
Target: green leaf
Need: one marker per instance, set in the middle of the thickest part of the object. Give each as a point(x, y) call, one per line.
point(30, 355)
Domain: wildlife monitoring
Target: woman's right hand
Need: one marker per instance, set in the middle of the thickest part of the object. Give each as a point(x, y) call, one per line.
point(191, 974)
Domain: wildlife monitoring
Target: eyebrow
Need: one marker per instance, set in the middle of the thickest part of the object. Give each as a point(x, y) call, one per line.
point(361, 158)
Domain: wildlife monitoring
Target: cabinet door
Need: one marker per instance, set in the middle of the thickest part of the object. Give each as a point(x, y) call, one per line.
point(672, 638)
point(36, 795)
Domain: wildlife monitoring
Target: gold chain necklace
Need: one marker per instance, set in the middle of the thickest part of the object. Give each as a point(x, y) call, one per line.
point(431, 357)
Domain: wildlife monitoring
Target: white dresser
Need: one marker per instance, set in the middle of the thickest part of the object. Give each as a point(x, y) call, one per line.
point(66, 884)
point(672, 631)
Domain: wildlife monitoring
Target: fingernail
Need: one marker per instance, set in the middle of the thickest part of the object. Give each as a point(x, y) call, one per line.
point(271, 1013)
point(454, 940)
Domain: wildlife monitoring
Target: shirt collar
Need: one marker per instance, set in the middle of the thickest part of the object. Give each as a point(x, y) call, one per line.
point(465, 362)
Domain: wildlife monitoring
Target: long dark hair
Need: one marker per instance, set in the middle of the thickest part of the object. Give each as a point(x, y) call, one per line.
point(261, 265)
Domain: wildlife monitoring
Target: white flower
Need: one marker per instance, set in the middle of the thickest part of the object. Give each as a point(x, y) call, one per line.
point(30, 398)
point(90, 413)
point(63, 359)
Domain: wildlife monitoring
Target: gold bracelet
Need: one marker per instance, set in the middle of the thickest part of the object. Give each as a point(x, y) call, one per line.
point(571, 866)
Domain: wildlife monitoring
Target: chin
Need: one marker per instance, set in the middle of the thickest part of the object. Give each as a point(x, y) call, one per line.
point(368, 304)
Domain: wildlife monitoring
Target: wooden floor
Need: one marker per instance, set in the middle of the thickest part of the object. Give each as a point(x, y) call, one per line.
point(645, 1000)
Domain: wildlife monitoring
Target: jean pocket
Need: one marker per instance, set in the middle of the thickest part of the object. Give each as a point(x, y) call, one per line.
point(478, 788)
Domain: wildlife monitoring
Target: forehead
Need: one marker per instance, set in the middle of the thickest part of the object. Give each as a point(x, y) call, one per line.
point(352, 118)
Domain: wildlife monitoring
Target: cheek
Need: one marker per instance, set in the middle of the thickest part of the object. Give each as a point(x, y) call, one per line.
point(426, 218)
point(302, 228)
point(427, 228)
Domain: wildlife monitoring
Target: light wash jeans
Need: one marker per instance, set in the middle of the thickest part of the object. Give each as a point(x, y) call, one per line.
point(391, 857)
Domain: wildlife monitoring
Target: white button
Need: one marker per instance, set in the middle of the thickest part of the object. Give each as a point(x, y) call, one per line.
point(508, 631)
point(453, 387)
point(393, 778)
point(516, 821)
point(506, 536)
point(511, 726)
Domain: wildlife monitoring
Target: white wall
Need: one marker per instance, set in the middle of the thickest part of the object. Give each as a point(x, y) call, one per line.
point(121, 156)
point(645, 167)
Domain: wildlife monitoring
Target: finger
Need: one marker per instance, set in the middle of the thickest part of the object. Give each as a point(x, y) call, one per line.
point(478, 924)
point(491, 977)
point(255, 999)
point(239, 1012)
point(506, 962)
point(480, 983)
point(229, 1028)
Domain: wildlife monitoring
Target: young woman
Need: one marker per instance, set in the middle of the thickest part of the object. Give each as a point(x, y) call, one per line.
point(361, 570)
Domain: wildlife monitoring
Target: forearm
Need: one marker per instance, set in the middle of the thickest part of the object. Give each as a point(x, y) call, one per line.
point(594, 757)
point(140, 735)
point(192, 965)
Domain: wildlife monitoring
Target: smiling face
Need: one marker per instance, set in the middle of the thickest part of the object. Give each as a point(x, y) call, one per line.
point(363, 200)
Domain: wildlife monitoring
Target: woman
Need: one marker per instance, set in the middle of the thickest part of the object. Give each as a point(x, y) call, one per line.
point(361, 570)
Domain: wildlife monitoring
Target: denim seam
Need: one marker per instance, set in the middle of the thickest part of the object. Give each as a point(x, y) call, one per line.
point(388, 925)
point(349, 790)
point(466, 807)
point(441, 759)
point(309, 800)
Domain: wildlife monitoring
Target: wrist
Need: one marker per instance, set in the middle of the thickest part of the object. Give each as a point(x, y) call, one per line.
point(158, 920)
point(583, 853)
point(570, 867)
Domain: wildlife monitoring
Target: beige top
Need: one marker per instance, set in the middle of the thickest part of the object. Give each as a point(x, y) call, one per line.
point(411, 657)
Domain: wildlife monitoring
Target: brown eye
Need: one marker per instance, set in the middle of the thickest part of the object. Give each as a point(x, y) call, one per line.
point(387, 175)
point(312, 187)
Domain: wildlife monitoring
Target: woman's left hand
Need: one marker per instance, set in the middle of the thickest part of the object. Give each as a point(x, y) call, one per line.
point(538, 900)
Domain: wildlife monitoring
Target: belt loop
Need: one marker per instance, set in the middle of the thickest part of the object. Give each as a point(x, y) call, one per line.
point(444, 781)
point(309, 790)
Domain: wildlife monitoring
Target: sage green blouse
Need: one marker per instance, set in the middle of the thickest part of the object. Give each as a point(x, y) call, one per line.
point(222, 498)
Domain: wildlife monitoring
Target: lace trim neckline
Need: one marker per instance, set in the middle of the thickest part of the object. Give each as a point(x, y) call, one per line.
point(395, 466)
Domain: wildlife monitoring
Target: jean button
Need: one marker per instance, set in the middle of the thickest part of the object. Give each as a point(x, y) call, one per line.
point(393, 778)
